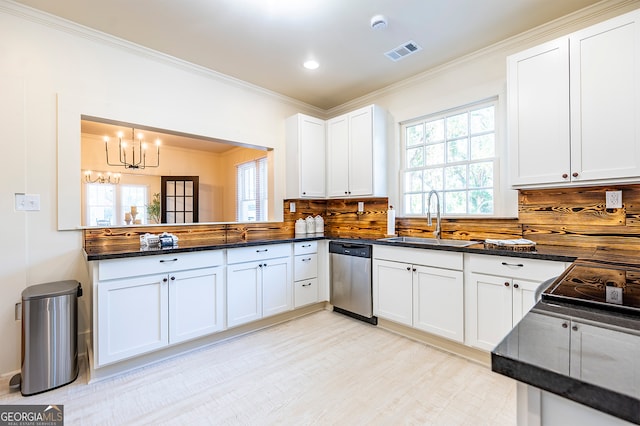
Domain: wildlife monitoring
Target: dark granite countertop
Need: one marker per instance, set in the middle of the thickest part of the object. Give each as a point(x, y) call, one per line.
point(555, 253)
point(585, 354)
point(98, 253)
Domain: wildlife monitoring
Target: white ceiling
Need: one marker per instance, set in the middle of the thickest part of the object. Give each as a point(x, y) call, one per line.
point(264, 42)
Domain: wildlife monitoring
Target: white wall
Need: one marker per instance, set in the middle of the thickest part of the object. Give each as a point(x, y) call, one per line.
point(51, 71)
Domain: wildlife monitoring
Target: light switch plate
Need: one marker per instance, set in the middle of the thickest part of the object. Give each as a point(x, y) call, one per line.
point(292, 207)
point(27, 202)
point(360, 206)
point(614, 199)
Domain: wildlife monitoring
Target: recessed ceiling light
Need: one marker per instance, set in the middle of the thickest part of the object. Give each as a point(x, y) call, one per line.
point(311, 65)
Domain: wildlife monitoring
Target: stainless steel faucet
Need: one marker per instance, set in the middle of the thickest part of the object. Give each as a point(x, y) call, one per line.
point(437, 232)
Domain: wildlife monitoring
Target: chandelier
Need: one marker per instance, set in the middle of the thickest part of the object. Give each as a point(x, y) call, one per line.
point(102, 178)
point(134, 156)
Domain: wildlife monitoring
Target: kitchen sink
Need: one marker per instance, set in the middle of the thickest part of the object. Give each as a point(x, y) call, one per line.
point(431, 241)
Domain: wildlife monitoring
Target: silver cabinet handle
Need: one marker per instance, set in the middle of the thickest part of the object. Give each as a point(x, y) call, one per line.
point(519, 265)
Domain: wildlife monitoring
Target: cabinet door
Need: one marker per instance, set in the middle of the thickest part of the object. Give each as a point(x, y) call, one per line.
point(523, 298)
point(277, 286)
point(132, 317)
point(544, 340)
point(244, 293)
point(619, 370)
point(438, 302)
point(196, 303)
point(538, 93)
point(312, 157)
point(305, 292)
point(305, 266)
point(489, 310)
point(605, 100)
point(361, 152)
point(338, 157)
point(393, 291)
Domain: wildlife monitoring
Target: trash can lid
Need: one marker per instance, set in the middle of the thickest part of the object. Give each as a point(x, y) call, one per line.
point(52, 289)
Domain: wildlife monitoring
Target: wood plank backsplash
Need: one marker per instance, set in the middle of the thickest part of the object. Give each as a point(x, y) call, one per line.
point(566, 216)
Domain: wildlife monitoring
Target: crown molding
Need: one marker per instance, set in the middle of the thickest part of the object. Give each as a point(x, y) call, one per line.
point(46, 19)
point(553, 29)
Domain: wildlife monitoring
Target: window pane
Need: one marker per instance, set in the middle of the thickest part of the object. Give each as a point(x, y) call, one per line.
point(413, 204)
point(455, 202)
point(457, 126)
point(415, 134)
point(455, 177)
point(457, 150)
point(481, 201)
point(454, 155)
point(171, 204)
point(482, 120)
point(433, 180)
point(483, 146)
point(179, 188)
point(481, 175)
point(413, 181)
point(434, 131)
point(188, 188)
point(415, 157)
point(435, 154)
point(171, 188)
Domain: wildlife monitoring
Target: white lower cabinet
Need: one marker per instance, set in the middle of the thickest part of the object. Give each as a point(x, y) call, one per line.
point(259, 288)
point(499, 291)
point(305, 271)
point(196, 299)
point(393, 291)
point(425, 297)
point(134, 315)
point(438, 302)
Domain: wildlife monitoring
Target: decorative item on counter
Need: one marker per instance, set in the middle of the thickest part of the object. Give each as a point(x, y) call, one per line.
point(520, 244)
point(168, 240)
point(134, 213)
point(391, 222)
point(319, 224)
point(301, 227)
point(310, 225)
point(127, 218)
point(149, 240)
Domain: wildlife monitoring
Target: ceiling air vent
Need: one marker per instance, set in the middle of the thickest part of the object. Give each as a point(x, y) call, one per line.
point(403, 51)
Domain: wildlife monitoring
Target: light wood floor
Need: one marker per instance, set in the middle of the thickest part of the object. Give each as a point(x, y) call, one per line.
point(321, 369)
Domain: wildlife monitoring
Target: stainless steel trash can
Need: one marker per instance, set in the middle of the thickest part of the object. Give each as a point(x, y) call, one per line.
point(49, 336)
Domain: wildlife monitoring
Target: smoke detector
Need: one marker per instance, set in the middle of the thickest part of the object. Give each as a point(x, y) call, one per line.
point(379, 22)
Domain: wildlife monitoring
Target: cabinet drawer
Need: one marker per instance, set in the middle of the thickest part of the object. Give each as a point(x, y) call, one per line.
point(305, 247)
point(515, 267)
point(305, 266)
point(417, 256)
point(305, 292)
point(158, 264)
point(250, 254)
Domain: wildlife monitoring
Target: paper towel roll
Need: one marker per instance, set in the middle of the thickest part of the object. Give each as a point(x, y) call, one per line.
point(391, 221)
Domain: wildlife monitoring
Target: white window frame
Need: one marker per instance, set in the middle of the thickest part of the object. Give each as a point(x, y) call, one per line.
point(259, 166)
point(118, 208)
point(502, 201)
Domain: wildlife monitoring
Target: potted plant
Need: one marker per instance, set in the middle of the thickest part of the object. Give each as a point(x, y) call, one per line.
point(153, 209)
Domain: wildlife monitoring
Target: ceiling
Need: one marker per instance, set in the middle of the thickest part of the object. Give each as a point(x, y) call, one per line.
point(265, 42)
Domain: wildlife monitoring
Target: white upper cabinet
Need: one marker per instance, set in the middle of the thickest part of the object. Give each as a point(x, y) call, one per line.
point(356, 157)
point(306, 149)
point(574, 107)
point(539, 114)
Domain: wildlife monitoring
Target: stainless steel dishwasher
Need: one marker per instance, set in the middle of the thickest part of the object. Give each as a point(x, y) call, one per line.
point(351, 285)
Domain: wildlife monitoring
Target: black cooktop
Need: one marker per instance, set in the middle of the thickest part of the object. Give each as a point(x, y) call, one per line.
point(605, 285)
